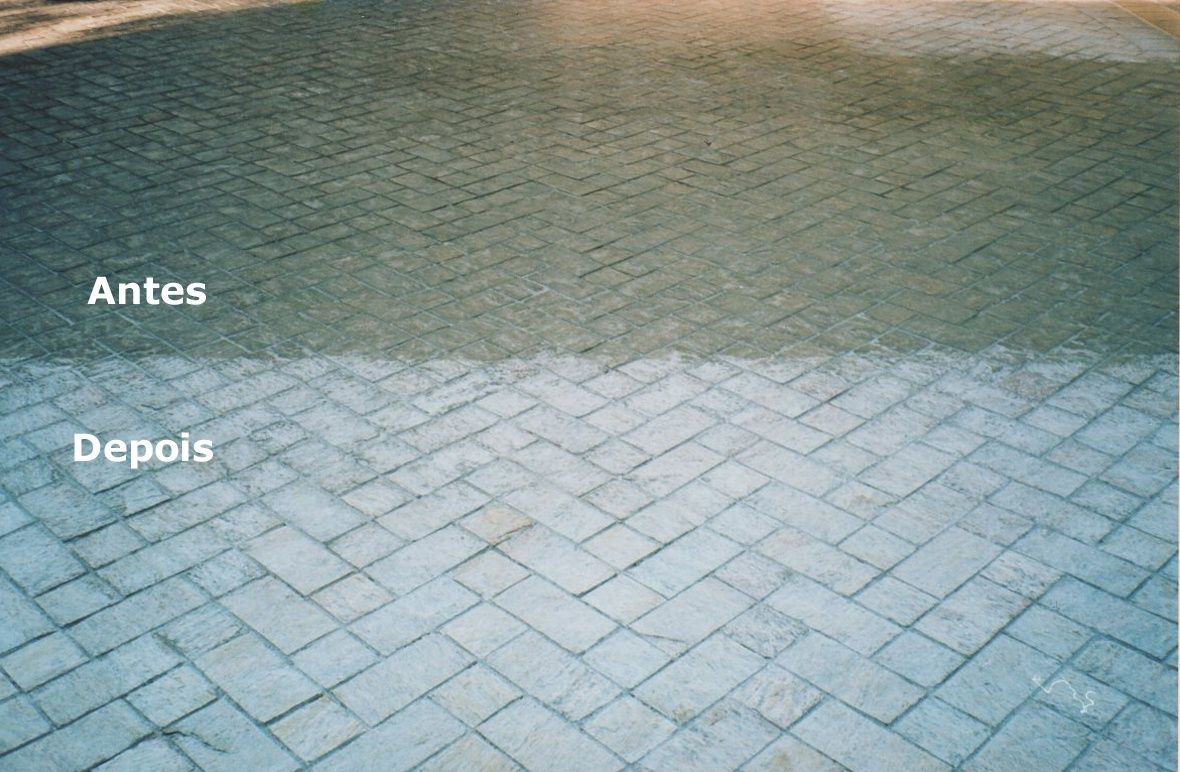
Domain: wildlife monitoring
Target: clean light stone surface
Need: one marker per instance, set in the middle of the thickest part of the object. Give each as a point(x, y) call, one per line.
point(670, 385)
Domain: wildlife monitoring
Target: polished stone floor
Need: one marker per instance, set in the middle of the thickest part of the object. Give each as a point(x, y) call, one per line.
point(686, 385)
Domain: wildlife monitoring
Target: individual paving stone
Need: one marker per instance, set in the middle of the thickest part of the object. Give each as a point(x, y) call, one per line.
point(753, 574)
point(667, 472)
point(943, 731)
point(423, 560)
point(1108, 614)
point(1151, 733)
point(777, 695)
point(363, 545)
point(555, 613)
point(313, 511)
point(201, 630)
point(429, 513)
point(495, 523)
point(557, 559)
point(136, 615)
point(699, 678)
point(684, 562)
point(553, 676)
point(620, 546)
point(285, 619)
point(788, 753)
point(317, 728)
point(560, 429)
point(1081, 698)
point(256, 678)
point(173, 695)
point(895, 600)
point(475, 694)
point(154, 754)
point(470, 752)
point(84, 743)
point(36, 560)
point(626, 658)
point(919, 659)
point(997, 680)
point(483, 629)
point(692, 615)
point(220, 737)
point(876, 547)
point(43, 659)
point(225, 572)
point(623, 599)
point(1021, 574)
point(817, 560)
point(298, 560)
point(401, 678)
point(786, 466)
point(1052, 512)
point(488, 573)
point(1131, 672)
point(334, 658)
point(854, 679)
point(765, 631)
point(183, 512)
point(411, 616)
point(821, 609)
point(538, 739)
point(661, 434)
point(352, 597)
point(1035, 735)
point(804, 512)
point(907, 470)
point(946, 561)
point(679, 513)
point(974, 613)
point(560, 511)
point(858, 743)
point(19, 723)
point(1048, 631)
point(629, 728)
point(1088, 563)
point(65, 510)
point(722, 738)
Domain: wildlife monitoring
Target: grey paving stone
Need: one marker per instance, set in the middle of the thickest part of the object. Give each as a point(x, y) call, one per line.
point(36, 560)
point(997, 680)
point(555, 613)
point(399, 679)
point(45, 658)
point(943, 731)
point(692, 615)
point(84, 743)
point(696, 680)
point(21, 723)
point(557, 559)
point(788, 753)
point(626, 658)
point(285, 619)
point(854, 679)
point(1035, 735)
point(256, 678)
point(538, 739)
point(777, 695)
point(1111, 615)
point(296, 559)
point(220, 737)
point(821, 609)
point(316, 728)
point(974, 613)
point(858, 743)
point(334, 658)
point(1129, 671)
point(629, 728)
point(684, 562)
point(475, 694)
point(153, 754)
point(172, 696)
point(470, 752)
point(411, 616)
point(136, 615)
point(918, 658)
point(553, 676)
point(946, 561)
point(423, 560)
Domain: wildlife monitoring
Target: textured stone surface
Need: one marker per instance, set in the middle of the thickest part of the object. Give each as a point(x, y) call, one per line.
point(684, 385)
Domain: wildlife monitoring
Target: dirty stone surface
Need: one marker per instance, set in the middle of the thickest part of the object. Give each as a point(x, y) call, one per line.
point(671, 385)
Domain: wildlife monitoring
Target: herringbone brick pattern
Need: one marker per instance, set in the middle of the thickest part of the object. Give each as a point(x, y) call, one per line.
point(673, 386)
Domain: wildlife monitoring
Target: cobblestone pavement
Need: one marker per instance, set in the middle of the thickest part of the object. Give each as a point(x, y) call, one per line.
point(676, 385)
